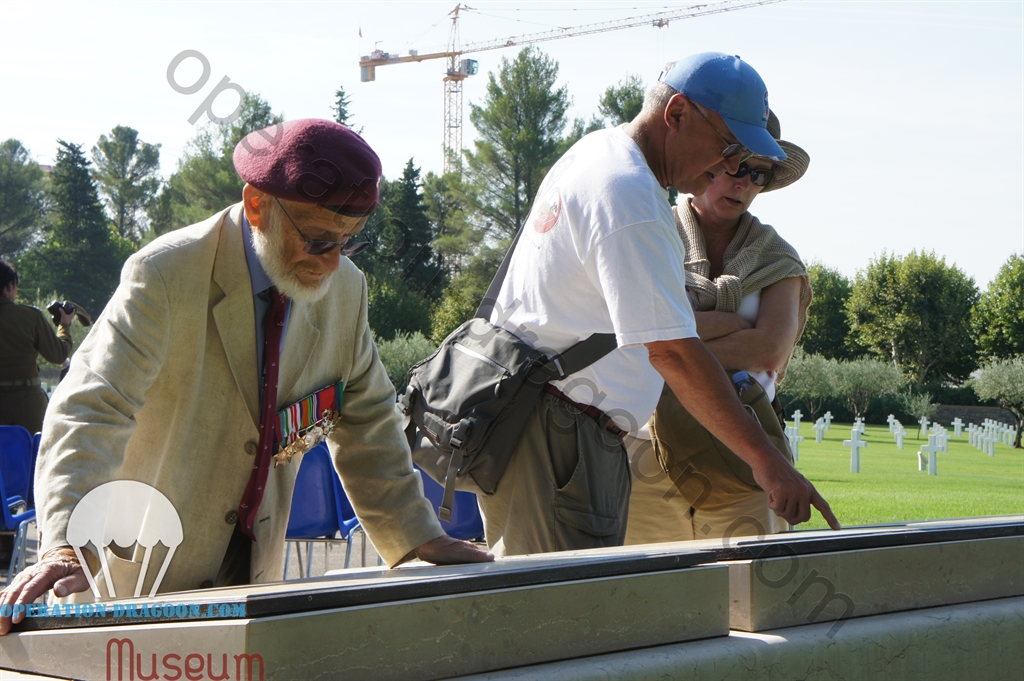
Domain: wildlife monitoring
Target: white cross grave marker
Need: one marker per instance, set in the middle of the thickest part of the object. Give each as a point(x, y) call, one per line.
point(796, 419)
point(828, 420)
point(932, 450)
point(794, 441)
point(855, 444)
point(924, 425)
point(900, 432)
point(819, 429)
point(957, 426)
point(891, 420)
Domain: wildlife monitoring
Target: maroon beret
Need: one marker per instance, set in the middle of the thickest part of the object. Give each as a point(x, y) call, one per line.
point(312, 161)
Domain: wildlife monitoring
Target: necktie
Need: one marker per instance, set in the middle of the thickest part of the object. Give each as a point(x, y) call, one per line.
point(253, 495)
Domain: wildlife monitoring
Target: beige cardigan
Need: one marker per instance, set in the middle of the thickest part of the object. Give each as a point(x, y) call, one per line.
point(164, 391)
point(756, 258)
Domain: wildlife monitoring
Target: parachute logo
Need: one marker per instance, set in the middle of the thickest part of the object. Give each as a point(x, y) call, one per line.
point(124, 512)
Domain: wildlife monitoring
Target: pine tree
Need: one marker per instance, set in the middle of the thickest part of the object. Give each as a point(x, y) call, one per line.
point(419, 264)
point(79, 259)
point(22, 197)
point(521, 125)
point(403, 272)
point(126, 172)
point(340, 108)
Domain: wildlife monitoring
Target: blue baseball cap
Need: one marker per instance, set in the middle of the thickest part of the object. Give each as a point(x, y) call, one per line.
point(731, 88)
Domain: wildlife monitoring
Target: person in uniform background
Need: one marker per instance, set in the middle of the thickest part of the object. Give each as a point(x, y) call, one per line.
point(189, 380)
point(25, 335)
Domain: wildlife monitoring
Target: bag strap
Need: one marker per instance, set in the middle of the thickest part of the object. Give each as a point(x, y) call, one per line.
point(579, 356)
point(576, 358)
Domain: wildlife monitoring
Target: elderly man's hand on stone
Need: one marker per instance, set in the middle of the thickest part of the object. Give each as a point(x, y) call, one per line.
point(58, 569)
point(446, 550)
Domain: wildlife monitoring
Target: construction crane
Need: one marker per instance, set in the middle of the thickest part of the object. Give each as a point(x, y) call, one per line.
point(459, 69)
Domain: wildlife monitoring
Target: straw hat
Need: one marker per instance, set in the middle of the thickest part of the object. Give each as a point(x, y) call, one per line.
point(793, 168)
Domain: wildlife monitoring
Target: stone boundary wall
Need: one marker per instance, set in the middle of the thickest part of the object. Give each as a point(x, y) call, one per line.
point(976, 415)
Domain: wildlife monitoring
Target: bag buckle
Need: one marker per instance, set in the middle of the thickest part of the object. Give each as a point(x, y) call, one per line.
point(458, 437)
point(405, 401)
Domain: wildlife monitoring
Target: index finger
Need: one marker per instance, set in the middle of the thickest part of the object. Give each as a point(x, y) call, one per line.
point(825, 510)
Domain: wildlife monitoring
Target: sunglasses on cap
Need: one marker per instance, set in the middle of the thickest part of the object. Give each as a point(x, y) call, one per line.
point(761, 177)
point(322, 246)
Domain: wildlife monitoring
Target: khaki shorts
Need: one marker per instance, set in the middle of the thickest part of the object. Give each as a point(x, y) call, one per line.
point(658, 512)
point(565, 488)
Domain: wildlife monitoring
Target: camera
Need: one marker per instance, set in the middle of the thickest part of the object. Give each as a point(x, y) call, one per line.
point(56, 306)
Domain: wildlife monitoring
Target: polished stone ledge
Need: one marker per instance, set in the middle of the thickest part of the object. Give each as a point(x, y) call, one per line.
point(795, 590)
point(425, 638)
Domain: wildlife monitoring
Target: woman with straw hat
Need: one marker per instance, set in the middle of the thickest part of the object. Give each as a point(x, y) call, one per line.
point(750, 293)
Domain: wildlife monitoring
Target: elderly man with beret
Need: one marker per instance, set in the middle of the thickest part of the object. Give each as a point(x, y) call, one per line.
point(189, 380)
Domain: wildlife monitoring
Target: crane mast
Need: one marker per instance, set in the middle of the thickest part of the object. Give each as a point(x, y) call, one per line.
point(459, 69)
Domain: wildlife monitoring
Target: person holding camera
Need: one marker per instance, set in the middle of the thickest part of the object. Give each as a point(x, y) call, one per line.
point(25, 334)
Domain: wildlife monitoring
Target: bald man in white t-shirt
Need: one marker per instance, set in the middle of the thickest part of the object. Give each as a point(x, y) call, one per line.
point(599, 254)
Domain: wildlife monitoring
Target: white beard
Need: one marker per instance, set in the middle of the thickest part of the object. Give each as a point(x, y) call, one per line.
point(270, 253)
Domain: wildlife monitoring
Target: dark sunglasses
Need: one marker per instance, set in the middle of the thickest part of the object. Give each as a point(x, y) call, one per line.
point(321, 246)
point(761, 177)
point(732, 148)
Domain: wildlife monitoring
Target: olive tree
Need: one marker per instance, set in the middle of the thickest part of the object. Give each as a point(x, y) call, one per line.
point(811, 379)
point(1002, 380)
point(861, 380)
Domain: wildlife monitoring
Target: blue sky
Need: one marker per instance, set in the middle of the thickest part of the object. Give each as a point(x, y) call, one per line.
point(912, 112)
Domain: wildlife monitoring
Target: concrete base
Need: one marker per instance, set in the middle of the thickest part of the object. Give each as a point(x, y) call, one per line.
point(795, 590)
point(972, 641)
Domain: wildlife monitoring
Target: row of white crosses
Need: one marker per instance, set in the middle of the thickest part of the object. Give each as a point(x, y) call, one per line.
point(897, 430)
point(821, 425)
point(938, 439)
point(985, 437)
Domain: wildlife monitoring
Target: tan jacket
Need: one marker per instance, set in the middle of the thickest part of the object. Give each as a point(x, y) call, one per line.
point(164, 391)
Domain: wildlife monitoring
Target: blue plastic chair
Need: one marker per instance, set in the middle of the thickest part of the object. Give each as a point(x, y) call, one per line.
point(347, 519)
point(466, 522)
point(35, 457)
point(317, 507)
point(16, 467)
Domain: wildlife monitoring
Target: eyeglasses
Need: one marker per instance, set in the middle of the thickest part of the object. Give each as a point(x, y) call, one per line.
point(732, 148)
point(761, 177)
point(322, 246)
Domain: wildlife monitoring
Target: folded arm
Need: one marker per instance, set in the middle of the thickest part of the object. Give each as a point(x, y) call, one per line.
point(765, 345)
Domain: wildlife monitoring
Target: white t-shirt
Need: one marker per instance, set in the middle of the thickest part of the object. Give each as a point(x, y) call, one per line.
point(599, 253)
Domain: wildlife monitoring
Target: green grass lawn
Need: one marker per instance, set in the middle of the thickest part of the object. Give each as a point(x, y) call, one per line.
point(889, 487)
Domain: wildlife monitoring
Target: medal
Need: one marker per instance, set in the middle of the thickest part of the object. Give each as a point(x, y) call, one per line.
point(308, 422)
